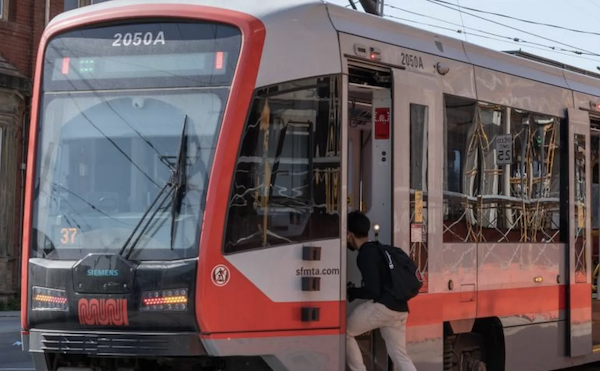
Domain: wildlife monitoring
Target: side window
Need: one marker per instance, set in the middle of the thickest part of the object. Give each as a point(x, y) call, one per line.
point(508, 188)
point(419, 185)
point(595, 183)
point(458, 122)
point(286, 183)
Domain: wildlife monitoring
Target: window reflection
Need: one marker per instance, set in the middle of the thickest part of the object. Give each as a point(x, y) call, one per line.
point(103, 159)
point(287, 178)
point(419, 193)
point(501, 174)
point(580, 240)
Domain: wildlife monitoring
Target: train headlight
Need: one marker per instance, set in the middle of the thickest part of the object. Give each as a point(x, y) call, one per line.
point(48, 299)
point(165, 300)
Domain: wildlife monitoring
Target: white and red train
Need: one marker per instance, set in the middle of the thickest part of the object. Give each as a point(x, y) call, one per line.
point(191, 164)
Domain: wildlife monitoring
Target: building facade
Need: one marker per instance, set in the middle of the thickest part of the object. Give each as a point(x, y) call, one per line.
point(21, 26)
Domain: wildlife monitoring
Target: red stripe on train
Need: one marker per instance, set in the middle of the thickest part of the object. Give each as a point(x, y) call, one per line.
point(431, 309)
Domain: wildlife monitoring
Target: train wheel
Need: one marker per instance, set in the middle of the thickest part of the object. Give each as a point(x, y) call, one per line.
point(464, 352)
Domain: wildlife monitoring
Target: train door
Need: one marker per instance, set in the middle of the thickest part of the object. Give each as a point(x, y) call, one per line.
point(390, 113)
point(418, 154)
point(370, 175)
point(579, 305)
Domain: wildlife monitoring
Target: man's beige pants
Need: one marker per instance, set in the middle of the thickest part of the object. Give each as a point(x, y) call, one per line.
point(368, 316)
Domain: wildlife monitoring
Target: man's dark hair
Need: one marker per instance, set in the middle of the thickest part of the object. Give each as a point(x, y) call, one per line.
point(358, 224)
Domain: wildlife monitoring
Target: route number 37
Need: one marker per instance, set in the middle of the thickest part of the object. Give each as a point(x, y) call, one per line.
point(138, 38)
point(68, 235)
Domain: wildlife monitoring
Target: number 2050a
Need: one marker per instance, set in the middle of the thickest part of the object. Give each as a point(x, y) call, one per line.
point(138, 38)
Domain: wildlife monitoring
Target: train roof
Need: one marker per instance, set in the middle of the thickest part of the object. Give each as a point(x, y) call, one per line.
point(276, 16)
point(261, 9)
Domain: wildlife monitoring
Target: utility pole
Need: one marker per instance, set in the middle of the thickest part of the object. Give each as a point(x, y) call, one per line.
point(373, 6)
point(380, 5)
point(47, 13)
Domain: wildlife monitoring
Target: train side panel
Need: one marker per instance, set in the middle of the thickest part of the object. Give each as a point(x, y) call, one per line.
point(521, 284)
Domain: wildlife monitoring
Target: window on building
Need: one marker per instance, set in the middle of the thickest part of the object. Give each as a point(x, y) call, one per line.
point(3, 10)
point(287, 179)
point(71, 4)
point(74, 4)
point(81, 3)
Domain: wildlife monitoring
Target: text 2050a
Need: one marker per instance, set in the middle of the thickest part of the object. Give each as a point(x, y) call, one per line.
point(138, 38)
point(410, 60)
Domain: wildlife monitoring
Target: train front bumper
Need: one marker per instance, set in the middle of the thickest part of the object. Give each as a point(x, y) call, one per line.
point(114, 344)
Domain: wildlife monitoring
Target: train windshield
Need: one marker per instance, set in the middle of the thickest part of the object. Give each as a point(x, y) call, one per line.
point(129, 118)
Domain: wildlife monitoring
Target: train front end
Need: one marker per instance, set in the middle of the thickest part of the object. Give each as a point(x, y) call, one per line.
point(128, 108)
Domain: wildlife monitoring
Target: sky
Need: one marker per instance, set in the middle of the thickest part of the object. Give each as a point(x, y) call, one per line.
point(443, 17)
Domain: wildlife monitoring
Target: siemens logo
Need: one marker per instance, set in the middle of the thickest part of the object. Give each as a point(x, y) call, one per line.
point(103, 272)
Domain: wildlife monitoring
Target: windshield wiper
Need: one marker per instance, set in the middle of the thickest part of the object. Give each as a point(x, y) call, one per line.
point(181, 174)
point(173, 183)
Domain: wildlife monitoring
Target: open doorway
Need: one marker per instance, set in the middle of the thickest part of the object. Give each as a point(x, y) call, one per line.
point(370, 176)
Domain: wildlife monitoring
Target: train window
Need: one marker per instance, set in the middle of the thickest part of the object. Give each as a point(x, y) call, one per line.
point(580, 210)
point(419, 158)
point(286, 184)
point(508, 184)
point(534, 178)
point(595, 186)
point(459, 118)
point(103, 159)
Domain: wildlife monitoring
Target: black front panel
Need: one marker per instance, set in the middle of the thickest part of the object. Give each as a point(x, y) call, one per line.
point(103, 274)
point(99, 304)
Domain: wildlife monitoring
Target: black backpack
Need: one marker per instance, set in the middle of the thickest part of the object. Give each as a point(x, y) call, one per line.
point(406, 277)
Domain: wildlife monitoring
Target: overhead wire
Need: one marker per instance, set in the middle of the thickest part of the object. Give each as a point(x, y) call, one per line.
point(500, 38)
point(352, 3)
point(593, 3)
point(579, 52)
point(518, 19)
point(436, 2)
point(513, 39)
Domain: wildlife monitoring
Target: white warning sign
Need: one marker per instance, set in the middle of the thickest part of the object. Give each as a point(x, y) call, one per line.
point(504, 145)
point(220, 275)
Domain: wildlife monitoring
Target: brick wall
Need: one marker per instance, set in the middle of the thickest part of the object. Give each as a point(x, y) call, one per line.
point(21, 34)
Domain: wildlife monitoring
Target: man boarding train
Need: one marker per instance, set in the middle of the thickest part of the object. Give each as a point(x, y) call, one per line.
point(390, 279)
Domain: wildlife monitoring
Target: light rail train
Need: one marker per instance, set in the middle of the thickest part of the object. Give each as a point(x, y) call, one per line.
point(192, 162)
